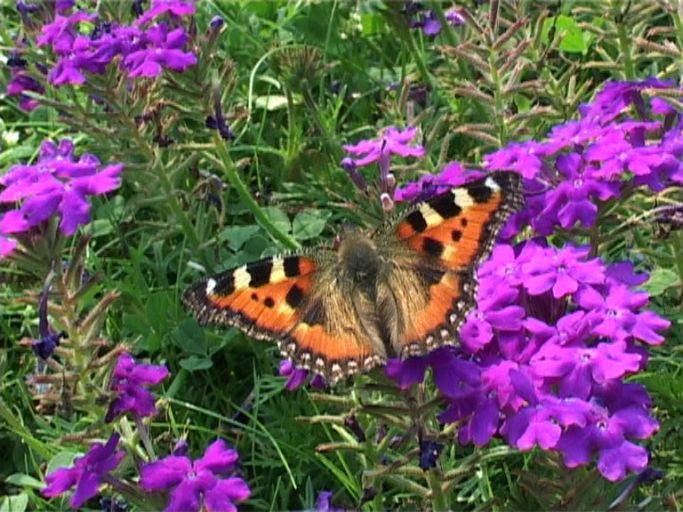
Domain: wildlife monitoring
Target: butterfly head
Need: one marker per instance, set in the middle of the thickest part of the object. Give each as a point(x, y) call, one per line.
point(358, 258)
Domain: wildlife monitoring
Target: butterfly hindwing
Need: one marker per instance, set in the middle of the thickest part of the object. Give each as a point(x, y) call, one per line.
point(297, 302)
point(441, 242)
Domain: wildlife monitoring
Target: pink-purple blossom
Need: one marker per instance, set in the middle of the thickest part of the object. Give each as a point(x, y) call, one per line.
point(129, 383)
point(86, 474)
point(207, 483)
point(57, 184)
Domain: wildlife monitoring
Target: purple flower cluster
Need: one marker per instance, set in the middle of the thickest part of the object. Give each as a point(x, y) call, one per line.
point(144, 48)
point(620, 141)
point(203, 484)
point(427, 21)
point(57, 183)
point(544, 355)
point(129, 383)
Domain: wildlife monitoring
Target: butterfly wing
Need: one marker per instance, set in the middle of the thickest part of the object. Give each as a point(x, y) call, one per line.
point(430, 284)
point(297, 302)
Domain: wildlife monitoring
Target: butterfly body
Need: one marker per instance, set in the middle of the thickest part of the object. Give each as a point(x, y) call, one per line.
point(401, 290)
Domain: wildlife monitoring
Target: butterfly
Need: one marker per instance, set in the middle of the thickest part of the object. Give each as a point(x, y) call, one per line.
point(402, 290)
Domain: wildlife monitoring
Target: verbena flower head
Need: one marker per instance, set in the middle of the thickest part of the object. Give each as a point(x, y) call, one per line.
point(393, 141)
point(56, 184)
point(543, 356)
point(129, 384)
point(145, 51)
point(202, 484)
point(428, 22)
point(86, 474)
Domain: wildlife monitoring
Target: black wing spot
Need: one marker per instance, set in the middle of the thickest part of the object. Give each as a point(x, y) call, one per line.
point(432, 247)
point(456, 235)
point(446, 206)
point(416, 221)
point(260, 273)
point(291, 266)
point(225, 285)
point(295, 296)
point(268, 302)
point(479, 192)
point(254, 297)
point(463, 222)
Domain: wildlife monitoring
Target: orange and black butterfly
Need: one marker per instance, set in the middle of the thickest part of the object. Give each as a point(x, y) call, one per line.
point(402, 290)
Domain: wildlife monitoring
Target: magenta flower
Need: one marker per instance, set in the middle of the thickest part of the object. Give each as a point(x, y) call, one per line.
point(452, 175)
point(297, 377)
point(57, 184)
point(203, 484)
point(86, 474)
point(174, 8)
point(164, 49)
point(392, 142)
point(129, 384)
point(20, 82)
point(562, 272)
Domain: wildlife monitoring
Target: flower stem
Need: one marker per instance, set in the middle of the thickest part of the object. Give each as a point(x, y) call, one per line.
point(143, 434)
point(438, 498)
point(241, 189)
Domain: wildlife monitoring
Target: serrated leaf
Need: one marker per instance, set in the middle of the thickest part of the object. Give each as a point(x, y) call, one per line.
point(309, 224)
point(661, 279)
point(195, 363)
point(236, 236)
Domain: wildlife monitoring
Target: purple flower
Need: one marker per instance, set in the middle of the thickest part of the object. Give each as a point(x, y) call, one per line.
point(45, 346)
point(203, 484)
point(20, 82)
point(129, 385)
point(175, 8)
point(163, 50)
point(296, 377)
point(452, 175)
point(392, 142)
point(56, 184)
point(86, 474)
point(526, 158)
point(562, 272)
point(323, 503)
point(618, 314)
point(63, 31)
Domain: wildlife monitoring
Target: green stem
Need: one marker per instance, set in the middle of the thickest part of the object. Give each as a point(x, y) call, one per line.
point(439, 501)
point(624, 44)
point(244, 194)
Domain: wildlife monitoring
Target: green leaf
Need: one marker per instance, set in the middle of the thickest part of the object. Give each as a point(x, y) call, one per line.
point(271, 102)
point(16, 503)
point(571, 38)
point(194, 363)
point(236, 236)
point(62, 459)
point(279, 218)
point(309, 224)
point(661, 279)
point(24, 480)
point(371, 23)
point(189, 337)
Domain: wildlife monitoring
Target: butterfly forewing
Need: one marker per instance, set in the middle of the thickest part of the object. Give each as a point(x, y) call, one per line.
point(447, 237)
